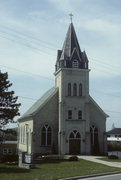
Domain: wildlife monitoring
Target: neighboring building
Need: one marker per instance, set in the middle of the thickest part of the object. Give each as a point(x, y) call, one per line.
point(8, 142)
point(114, 135)
point(66, 119)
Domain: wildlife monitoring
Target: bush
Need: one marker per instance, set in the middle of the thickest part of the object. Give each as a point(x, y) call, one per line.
point(113, 157)
point(73, 158)
point(10, 158)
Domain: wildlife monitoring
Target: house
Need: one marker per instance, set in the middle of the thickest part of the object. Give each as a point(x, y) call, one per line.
point(114, 135)
point(8, 142)
point(114, 139)
point(114, 142)
point(66, 119)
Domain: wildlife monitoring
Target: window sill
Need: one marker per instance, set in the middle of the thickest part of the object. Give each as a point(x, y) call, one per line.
point(75, 120)
point(76, 96)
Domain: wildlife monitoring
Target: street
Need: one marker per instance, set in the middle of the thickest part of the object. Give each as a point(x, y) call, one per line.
point(110, 177)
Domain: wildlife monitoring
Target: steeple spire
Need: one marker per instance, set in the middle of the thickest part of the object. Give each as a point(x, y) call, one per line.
point(71, 51)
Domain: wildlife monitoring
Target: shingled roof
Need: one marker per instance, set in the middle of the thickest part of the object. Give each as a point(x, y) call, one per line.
point(70, 43)
point(115, 131)
point(39, 103)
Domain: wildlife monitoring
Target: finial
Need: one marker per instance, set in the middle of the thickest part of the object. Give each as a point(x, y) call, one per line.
point(71, 15)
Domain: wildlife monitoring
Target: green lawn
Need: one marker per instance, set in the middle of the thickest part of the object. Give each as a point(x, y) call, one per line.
point(110, 160)
point(53, 170)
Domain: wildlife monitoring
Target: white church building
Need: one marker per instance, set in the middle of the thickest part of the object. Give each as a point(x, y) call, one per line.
point(66, 119)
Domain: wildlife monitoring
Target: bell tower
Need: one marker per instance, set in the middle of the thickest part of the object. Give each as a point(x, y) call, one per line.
point(72, 81)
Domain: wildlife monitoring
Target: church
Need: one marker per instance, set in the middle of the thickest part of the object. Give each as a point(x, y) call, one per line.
point(66, 119)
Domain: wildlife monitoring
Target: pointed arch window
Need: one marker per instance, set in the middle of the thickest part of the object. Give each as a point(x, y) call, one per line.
point(74, 89)
point(69, 89)
point(75, 135)
point(75, 64)
point(46, 136)
point(80, 89)
point(94, 135)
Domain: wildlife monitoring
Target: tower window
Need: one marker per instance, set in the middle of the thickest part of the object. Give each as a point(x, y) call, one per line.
point(69, 114)
point(75, 64)
point(74, 89)
point(46, 137)
point(79, 114)
point(80, 89)
point(69, 89)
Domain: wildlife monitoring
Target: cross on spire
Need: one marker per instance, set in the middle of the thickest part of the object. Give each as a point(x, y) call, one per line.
point(71, 15)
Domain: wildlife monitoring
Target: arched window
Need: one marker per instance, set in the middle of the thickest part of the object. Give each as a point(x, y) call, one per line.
point(75, 135)
point(94, 135)
point(69, 89)
point(80, 89)
point(74, 89)
point(75, 64)
point(46, 137)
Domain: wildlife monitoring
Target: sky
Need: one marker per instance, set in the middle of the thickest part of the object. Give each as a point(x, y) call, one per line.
point(31, 32)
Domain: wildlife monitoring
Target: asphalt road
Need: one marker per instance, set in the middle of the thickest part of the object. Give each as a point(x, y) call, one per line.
point(108, 177)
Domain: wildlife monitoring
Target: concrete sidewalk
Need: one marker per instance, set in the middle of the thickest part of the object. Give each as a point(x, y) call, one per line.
point(94, 159)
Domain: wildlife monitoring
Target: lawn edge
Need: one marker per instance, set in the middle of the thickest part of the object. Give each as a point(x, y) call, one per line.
point(90, 176)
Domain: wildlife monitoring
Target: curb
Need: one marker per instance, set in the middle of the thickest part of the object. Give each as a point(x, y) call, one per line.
point(90, 176)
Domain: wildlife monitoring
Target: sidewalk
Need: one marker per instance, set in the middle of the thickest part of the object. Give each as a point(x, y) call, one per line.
point(94, 159)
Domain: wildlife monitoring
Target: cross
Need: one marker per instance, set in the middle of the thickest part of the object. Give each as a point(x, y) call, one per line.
point(71, 15)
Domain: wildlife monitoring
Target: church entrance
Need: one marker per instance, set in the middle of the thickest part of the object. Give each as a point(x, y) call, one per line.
point(74, 142)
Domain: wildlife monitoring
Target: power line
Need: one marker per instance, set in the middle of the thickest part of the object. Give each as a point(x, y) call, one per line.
point(107, 70)
point(105, 93)
point(23, 97)
point(26, 72)
point(19, 34)
point(28, 46)
point(33, 99)
point(27, 37)
point(105, 64)
point(112, 111)
point(53, 80)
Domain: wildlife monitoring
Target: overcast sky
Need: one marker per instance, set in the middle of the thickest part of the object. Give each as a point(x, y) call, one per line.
point(31, 32)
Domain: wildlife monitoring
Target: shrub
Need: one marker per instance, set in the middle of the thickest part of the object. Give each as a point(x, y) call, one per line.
point(10, 158)
point(113, 157)
point(73, 158)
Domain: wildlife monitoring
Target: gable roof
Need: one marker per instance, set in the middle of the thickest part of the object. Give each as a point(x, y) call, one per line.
point(92, 100)
point(39, 103)
point(115, 131)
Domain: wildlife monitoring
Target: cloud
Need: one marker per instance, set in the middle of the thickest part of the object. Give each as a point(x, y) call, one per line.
point(102, 26)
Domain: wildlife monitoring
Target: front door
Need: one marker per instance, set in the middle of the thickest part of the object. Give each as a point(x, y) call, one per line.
point(74, 143)
point(74, 146)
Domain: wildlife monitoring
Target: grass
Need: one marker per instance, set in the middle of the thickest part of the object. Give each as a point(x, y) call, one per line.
point(110, 160)
point(53, 170)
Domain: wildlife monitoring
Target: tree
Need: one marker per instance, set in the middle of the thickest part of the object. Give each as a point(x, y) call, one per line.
point(8, 106)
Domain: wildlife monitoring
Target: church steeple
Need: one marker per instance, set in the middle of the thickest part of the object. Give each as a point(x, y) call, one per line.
point(71, 56)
